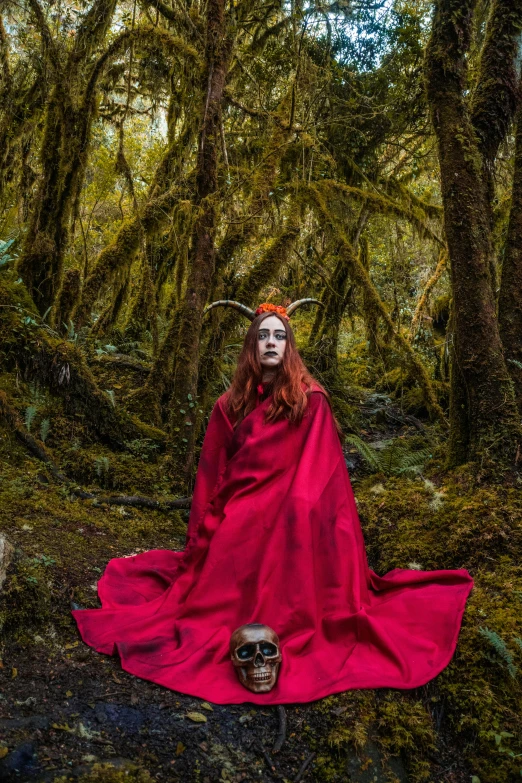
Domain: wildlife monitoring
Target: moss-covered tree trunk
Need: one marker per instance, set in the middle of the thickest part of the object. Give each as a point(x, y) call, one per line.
point(492, 418)
point(218, 48)
point(63, 155)
point(510, 300)
point(325, 341)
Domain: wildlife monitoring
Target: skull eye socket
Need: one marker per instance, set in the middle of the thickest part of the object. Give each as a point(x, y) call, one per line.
point(246, 651)
point(268, 649)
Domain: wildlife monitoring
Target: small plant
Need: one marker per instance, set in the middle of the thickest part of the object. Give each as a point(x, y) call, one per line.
point(501, 649)
point(45, 427)
point(43, 560)
point(30, 413)
point(5, 255)
point(102, 466)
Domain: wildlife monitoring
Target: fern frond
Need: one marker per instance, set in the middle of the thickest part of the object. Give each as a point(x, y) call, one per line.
point(501, 649)
point(30, 413)
point(369, 454)
point(45, 426)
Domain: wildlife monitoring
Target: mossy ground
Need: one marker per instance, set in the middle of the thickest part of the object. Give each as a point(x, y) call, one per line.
point(79, 711)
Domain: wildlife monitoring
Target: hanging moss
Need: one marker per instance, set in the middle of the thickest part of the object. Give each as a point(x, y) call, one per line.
point(360, 275)
point(117, 257)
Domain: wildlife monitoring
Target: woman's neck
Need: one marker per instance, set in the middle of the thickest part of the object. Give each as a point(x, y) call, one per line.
point(268, 376)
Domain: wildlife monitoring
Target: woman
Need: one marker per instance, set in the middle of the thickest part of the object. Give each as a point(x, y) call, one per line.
point(274, 538)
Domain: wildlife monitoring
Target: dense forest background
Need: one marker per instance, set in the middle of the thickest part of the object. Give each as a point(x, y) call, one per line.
point(158, 155)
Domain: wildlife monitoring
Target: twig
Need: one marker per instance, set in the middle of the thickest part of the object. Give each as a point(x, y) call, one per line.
point(281, 734)
point(271, 766)
point(303, 768)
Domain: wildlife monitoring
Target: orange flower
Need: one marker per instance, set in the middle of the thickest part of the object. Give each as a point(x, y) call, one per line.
point(267, 307)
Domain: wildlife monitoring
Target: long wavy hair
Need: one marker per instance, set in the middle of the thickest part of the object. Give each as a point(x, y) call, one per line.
point(289, 399)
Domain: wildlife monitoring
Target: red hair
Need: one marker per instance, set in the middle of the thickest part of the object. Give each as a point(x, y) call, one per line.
point(289, 399)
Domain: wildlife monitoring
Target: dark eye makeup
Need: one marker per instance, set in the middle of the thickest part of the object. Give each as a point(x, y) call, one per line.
point(262, 334)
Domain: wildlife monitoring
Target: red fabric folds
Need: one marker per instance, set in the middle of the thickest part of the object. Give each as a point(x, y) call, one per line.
point(274, 537)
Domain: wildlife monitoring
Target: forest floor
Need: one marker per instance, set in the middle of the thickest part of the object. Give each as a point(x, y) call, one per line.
point(69, 713)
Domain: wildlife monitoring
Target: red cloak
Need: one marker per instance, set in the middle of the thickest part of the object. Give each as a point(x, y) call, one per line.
point(274, 537)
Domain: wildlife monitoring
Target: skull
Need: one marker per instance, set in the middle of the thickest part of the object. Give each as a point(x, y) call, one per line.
point(256, 655)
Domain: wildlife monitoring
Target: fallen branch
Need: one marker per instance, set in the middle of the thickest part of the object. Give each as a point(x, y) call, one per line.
point(281, 734)
point(139, 501)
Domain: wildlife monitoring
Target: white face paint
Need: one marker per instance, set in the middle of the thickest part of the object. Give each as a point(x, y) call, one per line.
point(271, 343)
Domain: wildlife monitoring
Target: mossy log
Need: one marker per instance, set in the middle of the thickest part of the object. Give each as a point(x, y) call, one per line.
point(44, 358)
point(10, 417)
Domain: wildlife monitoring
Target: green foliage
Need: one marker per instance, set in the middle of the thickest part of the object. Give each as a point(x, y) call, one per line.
point(501, 649)
point(394, 459)
point(102, 465)
point(29, 416)
point(45, 427)
point(5, 255)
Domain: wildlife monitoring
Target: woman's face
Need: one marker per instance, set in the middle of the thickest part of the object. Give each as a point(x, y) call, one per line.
point(271, 342)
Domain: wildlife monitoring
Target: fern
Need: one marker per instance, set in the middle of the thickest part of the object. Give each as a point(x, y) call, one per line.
point(394, 459)
point(30, 413)
point(102, 466)
point(518, 641)
point(414, 460)
point(370, 455)
point(501, 649)
point(45, 426)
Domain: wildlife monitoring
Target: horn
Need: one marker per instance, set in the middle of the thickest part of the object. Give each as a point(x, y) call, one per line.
point(292, 307)
point(250, 314)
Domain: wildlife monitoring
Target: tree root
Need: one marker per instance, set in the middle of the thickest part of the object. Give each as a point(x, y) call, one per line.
point(9, 415)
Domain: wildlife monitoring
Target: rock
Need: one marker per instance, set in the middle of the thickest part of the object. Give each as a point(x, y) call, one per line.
point(6, 557)
point(21, 761)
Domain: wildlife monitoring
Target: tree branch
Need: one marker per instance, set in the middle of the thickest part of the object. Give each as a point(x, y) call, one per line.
point(495, 96)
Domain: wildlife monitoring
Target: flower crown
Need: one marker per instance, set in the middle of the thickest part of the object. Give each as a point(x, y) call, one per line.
point(267, 307)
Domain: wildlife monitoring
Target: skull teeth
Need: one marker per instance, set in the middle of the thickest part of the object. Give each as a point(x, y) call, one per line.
point(261, 677)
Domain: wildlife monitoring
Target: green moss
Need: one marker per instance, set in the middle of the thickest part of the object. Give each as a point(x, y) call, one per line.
point(25, 601)
point(457, 523)
point(106, 773)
